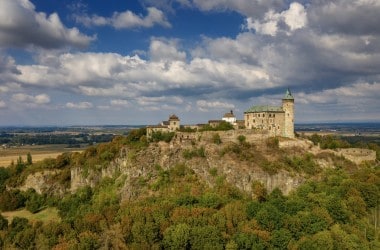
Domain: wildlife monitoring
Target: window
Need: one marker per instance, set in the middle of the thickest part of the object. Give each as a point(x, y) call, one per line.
point(263, 115)
point(253, 120)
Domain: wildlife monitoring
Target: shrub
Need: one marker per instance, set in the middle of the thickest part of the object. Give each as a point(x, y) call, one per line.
point(241, 139)
point(213, 171)
point(216, 139)
point(162, 136)
point(195, 152)
point(273, 143)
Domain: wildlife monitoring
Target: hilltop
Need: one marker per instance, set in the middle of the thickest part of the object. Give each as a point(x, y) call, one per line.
point(213, 187)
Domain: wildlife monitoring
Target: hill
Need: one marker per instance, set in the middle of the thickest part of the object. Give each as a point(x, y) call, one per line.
point(214, 190)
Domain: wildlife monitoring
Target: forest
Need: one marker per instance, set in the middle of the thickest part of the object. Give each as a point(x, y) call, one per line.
point(339, 209)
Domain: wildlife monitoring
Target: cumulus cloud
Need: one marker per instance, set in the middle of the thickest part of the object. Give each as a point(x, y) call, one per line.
point(356, 17)
point(152, 101)
point(22, 26)
point(127, 19)
point(205, 106)
point(245, 7)
point(321, 64)
point(294, 18)
point(120, 103)
point(79, 105)
point(166, 50)
point(24, 98)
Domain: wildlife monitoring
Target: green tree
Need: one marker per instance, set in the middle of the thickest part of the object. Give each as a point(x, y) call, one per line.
point(205, 237)
point(29, 160)
point(34, 201)
point(269, 217)
point(280, 238)
point(177, 237)
point(3, 223)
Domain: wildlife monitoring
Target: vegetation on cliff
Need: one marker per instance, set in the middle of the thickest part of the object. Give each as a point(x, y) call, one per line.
point(176, 209)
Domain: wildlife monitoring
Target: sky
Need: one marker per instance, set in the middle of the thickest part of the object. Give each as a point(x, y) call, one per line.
point(115, 62)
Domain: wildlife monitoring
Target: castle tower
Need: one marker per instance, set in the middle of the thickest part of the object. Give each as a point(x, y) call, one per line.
point(288, 107)
point(173, 123)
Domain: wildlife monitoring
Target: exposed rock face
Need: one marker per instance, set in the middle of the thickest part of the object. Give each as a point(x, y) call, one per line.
point(139, 166)
point(44, 182)
point(134, 168)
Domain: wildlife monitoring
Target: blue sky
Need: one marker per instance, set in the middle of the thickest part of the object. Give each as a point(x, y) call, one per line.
point(65, 62)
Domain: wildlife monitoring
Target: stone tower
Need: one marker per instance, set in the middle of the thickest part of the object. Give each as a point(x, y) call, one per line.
point(288, 107)
point(173, 123)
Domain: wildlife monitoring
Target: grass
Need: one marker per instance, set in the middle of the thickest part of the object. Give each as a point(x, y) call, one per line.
point(38, 152)
point(46, 215)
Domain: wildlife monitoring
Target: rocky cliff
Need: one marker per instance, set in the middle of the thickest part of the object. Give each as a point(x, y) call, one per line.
point(237, 163)
point(144, 166)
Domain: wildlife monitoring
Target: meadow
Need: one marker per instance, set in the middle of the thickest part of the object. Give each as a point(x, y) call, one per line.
point(38, 152)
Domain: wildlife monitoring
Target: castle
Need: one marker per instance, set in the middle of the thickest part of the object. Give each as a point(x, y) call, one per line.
point(276, 120)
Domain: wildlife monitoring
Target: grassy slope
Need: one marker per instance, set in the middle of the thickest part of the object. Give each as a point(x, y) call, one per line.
point(46, 215)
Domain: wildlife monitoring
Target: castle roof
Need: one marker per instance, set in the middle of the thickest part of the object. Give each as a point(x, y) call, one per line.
point(288, 95)
point(229, 115)
point(264, 108)
point(173, 118)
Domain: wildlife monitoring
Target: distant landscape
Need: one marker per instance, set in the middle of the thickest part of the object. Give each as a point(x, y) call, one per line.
point(49, 142)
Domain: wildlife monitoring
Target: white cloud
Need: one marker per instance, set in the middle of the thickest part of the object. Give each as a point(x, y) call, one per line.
point(295, 18)
point(80, 105)
point(120, 103)
point(127, 19)
point(166, 50)
point(154, 101)
point(21, 26)
point(205, 106)
point(24, 98)
point(245, 7)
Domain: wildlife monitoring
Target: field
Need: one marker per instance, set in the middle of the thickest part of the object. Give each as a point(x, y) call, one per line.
point(46, 215)
point(38, 152)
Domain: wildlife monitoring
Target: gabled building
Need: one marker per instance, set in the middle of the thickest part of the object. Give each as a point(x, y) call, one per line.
point(230, 117)
point(171, 125)
point(277, 120)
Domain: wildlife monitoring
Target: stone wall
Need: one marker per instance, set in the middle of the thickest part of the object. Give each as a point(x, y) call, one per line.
point(251, 135)
point(358, 155)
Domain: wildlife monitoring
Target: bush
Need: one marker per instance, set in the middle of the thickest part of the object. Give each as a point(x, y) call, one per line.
point(162, 136)
point(216, 139)
point(34, 201)
point(241, 139)
point(3, 223)
point(195, 152)
point(222, 126)
point(273, 143)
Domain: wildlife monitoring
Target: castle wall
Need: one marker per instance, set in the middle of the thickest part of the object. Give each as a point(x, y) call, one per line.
point(251, 135)
point(273, 122)
point(288, 107)
point(358, 155)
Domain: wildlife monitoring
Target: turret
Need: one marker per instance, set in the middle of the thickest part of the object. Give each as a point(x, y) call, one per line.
point(288, 108)
point(173, 123)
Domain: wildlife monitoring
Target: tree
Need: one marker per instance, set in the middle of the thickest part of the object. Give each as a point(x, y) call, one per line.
point(205, 237)
point(269, 217)
point(177, 237)
point(281, 238)
point(29, 160)
point(3, 223)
